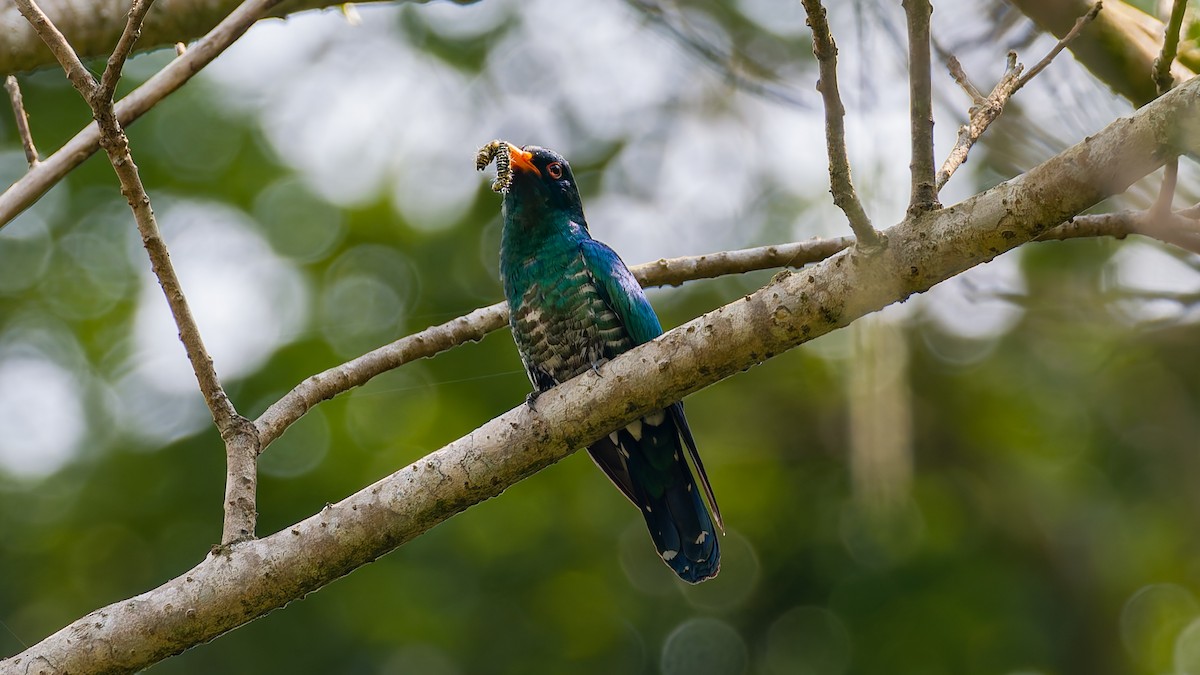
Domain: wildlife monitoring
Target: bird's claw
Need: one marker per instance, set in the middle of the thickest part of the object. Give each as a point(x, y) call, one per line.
point(531, 398)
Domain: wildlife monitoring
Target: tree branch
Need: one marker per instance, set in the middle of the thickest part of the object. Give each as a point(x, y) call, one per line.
point(1062, 43)
point(985, 110)
point(1163, 79)
point(920, 95)
point(474, 326)
point(244, 581)
point(1119, 48)
point(22, 120)
point(239, 434)
point(77, 73)
point(54, 168)
point(94, 26)
point(116, 60)
point(840, 183)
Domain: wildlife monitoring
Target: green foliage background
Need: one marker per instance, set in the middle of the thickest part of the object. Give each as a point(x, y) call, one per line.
point(1052, 524)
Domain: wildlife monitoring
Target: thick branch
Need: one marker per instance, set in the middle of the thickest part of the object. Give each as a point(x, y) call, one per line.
point(22, 120)
point(41, 178)
point(840, 183)
point(249, 579)
point(920, 105)
point(474, 326)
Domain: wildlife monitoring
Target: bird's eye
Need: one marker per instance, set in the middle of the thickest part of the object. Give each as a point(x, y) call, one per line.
point(555, 170)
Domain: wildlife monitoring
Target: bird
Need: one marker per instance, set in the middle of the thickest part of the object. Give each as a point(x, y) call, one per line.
point(574, 305)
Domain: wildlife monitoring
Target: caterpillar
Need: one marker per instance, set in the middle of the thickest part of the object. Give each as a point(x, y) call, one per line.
point(496, 150)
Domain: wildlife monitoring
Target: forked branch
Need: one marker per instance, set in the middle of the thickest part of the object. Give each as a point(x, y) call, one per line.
point(986, 109)
point(241, 439)
point(23, 193)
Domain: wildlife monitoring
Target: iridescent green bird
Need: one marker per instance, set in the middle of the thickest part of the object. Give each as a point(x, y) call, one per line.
point(574, 305)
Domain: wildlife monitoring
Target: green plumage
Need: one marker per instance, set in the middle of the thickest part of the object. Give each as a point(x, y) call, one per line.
point(574, 305)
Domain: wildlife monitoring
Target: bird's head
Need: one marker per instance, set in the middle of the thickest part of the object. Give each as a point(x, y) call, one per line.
point(542, 183)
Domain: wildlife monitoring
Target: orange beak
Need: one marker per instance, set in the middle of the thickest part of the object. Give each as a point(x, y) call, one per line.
point(520, 159)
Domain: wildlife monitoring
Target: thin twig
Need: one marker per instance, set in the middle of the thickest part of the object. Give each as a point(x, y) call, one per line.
point(920, 91)
point(77, 73)
point(475, 325)
point(984, 112)
point(961, 79)
point(1166, 191)
point(840, 183)
point(116, 61)
point(1162, 65)
point(1163, 81)
point(1076, 29)
point(18, 106)
point(54, 168)
point(1184, 231)
point(241, 439)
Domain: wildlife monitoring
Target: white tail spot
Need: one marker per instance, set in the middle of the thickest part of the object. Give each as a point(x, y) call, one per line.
point(669, 555)
point(613, 437)
point(635, 430)
point(700, 539)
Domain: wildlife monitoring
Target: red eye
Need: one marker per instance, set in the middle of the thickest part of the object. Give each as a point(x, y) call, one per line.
point(555, 170)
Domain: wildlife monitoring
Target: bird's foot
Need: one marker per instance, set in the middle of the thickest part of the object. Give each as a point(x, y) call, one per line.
point(531, 399)
point(596, 366)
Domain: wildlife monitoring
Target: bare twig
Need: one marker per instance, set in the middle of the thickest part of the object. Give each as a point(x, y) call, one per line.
point(1163, 81)
point(37, 181)
point(77, 73)
point(920, 92)
point(840, 183)
point(474, 326)
point(985, 111)
point(1166, 191)
point(22, 120)
point(116, 61)
point(1162, 65)
point(241, 439)
point(1076, 29)
point(477, 324)
point(961, 79)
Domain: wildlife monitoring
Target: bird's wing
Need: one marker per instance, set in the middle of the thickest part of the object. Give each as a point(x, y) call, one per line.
point(622, 292)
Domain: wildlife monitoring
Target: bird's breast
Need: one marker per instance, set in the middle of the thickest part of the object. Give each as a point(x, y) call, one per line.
point(562, 324)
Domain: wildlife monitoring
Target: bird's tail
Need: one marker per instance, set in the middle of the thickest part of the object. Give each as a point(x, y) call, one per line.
point(646, 461)
point(682, 530)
